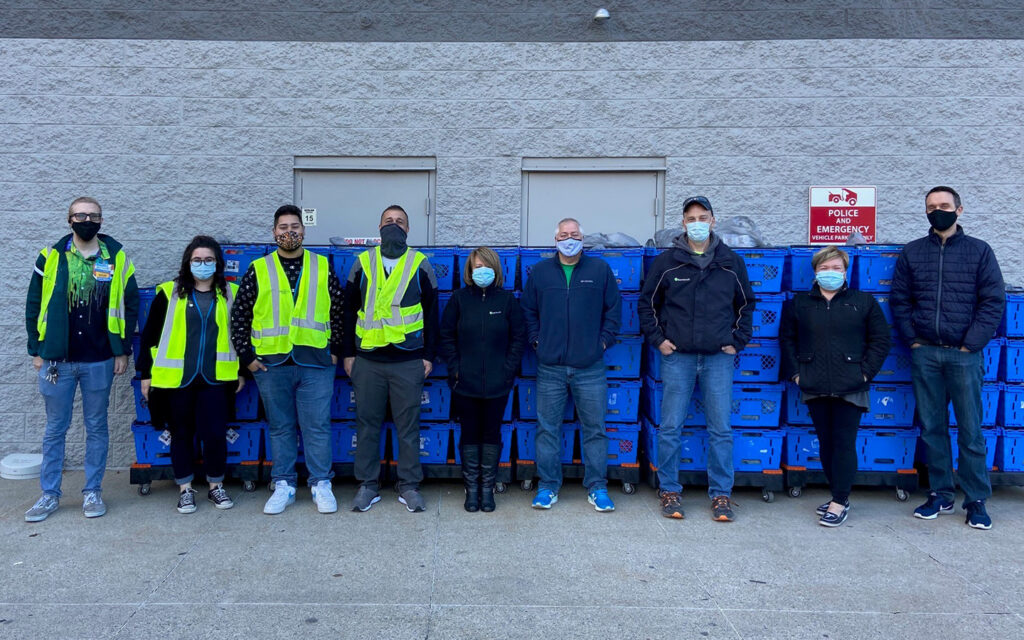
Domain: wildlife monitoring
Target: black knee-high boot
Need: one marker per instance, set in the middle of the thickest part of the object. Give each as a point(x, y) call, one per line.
point(489, 454)
point(471, 476)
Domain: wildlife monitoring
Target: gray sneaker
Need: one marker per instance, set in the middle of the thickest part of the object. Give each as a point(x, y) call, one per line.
point(92, 505)
point(44, 506)
point(412, 500)
point(365, 498)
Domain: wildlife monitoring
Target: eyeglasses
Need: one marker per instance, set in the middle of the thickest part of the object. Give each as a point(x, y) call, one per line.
point(196, 262)
point(82, 217)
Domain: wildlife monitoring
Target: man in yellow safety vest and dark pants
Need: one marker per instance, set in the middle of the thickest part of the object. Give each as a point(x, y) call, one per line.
point(286, 326)
point(391, 335)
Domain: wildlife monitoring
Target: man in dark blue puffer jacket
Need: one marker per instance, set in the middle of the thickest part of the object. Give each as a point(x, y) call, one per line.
point(947, 301)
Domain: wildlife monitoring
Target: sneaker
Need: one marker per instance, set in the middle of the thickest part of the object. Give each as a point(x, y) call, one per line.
point(671, 506)
point(365, 498)
point(219, 498)
point(599, 498)
point(544, 499)
point(284, 495)
point(823, 508)
point(935, 505)
point(413, 500)
point(92, 505)
point(977, 517)
point(323, 496)
point(187, 501)
point(44, 506)
point(721, 509)
point(829, 519)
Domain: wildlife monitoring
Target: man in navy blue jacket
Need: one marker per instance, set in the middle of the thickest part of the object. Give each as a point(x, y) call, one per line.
point(572, 308)
point(947, 300)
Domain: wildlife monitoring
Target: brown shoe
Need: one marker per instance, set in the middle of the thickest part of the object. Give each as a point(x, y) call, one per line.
point(721, 509)
point(670, 505)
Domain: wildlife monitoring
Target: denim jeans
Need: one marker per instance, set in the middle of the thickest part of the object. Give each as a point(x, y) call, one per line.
point(680, 372)
point(297, 397)
point(95, 379)
point(941, 375)
point(590, 392)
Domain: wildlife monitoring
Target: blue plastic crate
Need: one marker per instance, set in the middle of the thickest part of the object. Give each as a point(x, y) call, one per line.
point(651, 363)
point(506, 443)
point(627, 265)
point(526, 441)
point(507, 256)
point(883, 304)
point(528, 365)
point(799, 272)
point(1010, 450)
point(529, 256)
point(796, 410)
point(875, 266)
point(238, 257)
point(650, 398)
point(526, 389)
point(758, 362)
point(435, 402)
point(343, 400)
point(623, 357)
point(434, 441)
point(886, 450)
point(991, 396)
point(1013, 361)
point(992, 356)
point(756, 450)
point(247, 402)
point(764, 268)
point(442, 259)
point(1013, 318)
point(344, 440)
point(650, 253)
point(152, 445)
point(802, 448)
point(757, 406)
point(243, 440)
point(146, 297)
point(693, 447)
point(1012, 406)
point(891, 405)
point(768, 315)
point(623, 444)
point(623, 401)
point(896, 367)
point(630, 316)
point(344, 257)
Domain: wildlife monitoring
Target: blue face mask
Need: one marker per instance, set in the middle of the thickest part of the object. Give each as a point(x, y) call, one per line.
point(830, 280)
point(569, 247)
point(483, 276)
point(698, 231)
point(203, 271)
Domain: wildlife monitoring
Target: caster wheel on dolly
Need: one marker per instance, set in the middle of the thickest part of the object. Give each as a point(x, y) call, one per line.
point(628, 488)
point(767, 495)
point(795, 492)
point(526, 485)
point(902, 495)
point(500, 487)
point(248, 486)
point(145, 489)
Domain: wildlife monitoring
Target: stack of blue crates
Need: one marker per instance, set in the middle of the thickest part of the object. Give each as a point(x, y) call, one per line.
point(1009, 454)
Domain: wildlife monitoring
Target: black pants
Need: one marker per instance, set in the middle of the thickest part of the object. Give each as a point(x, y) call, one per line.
point(480, 418)
point(200, 409)
point(836, 421)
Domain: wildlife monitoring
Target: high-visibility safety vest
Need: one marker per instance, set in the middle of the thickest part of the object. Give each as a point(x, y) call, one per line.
point(168, 369)
point(280, 321)
point(123, 270)
point(383, 320)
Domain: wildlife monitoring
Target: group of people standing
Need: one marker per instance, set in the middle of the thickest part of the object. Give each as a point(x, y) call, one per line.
point(291, 319)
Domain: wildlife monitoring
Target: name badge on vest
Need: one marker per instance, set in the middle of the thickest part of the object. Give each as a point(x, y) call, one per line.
point(102, 270)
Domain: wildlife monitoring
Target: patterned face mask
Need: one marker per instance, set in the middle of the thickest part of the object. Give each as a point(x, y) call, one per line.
point(289, 240)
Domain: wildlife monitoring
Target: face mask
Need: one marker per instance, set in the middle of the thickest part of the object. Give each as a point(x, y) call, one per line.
point(698, 231)
point(942, 220)
point(86, 230)
point(483, 276)
point(392, 241)
point(289, 240)
point(203, 271)
point(830, 280)
point(569, 247)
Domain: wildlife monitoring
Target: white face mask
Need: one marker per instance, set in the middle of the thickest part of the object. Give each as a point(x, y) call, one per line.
point(698, 231)
point(569, 247)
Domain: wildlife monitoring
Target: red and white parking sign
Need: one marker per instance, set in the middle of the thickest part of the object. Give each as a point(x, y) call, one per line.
point(837, 212)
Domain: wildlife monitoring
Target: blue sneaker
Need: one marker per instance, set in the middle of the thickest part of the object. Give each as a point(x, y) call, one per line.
point(544, 499)
point(935, 505)
point(976, 515)
point(599, 498)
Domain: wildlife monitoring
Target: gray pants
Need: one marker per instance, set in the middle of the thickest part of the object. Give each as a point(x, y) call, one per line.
point(374, 384)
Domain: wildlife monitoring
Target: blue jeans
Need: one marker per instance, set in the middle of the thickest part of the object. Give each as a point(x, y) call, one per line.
point(680, 372)
point(297, 397)
point(590, 392)
point(95, 379)
point(941, 375)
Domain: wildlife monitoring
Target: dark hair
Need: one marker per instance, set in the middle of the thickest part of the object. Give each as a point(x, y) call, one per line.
point(395, 207)
point(287, 210)
point(186, 281)
point(949, 190)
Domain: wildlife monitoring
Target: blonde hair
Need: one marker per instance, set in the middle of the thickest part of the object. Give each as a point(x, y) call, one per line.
point(489, 258)
point(830, 252)
point(85, 199)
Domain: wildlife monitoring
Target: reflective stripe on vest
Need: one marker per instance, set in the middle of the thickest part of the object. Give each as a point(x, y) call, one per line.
point(281, 321)
point(169, 355)
point(123, 270)
point(383, 320)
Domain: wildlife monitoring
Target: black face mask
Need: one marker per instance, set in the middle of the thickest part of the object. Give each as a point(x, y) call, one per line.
point(86, 230)
point(392, 241)
point(942, 220)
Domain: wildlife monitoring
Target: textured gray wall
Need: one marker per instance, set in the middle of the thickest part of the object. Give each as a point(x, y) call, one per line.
point(177, 138)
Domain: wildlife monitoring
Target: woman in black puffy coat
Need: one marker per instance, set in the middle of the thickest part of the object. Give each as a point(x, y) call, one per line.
point(834, 340)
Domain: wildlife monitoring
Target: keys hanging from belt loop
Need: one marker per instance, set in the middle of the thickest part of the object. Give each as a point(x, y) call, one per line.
point(51, 372)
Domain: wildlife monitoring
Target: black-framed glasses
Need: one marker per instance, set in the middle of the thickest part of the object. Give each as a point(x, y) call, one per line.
point(83, 217)
point(197, 262)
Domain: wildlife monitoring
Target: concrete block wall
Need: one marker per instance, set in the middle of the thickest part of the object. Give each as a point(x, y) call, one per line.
point(177, 138)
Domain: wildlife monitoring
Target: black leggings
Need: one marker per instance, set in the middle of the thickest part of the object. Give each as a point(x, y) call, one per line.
point(836, 421)
point(480, 418)
point(199, 409)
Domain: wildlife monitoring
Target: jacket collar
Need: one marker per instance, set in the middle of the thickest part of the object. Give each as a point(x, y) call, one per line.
point(113, 246)
point(934, 237)
point(815, 291)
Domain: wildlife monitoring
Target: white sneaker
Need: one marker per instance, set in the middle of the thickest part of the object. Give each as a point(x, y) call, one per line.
point(324, 497)
point(284, 495)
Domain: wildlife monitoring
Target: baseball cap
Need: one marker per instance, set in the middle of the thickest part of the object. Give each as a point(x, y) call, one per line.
point(701, 200)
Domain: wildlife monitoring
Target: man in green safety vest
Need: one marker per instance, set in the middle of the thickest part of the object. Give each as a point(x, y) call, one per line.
point(81, 309)
point(286, 326)
point(391, 334)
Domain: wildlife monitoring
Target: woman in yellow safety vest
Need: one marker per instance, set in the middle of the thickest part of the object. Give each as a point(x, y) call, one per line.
point(187, 350)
